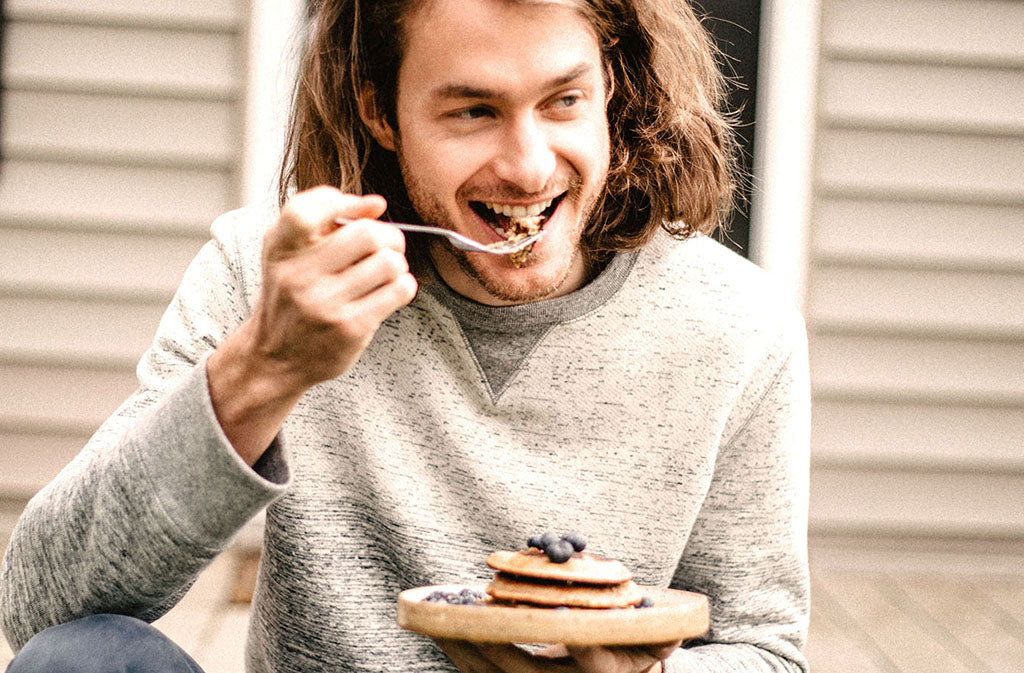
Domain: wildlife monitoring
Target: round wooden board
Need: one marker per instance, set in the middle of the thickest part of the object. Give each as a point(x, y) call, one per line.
point(675, 615)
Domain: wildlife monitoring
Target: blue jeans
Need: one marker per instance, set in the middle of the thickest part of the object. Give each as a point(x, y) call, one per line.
point(102, 644)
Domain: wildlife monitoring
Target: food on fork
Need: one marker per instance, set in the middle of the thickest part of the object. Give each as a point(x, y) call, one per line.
point(519, 228)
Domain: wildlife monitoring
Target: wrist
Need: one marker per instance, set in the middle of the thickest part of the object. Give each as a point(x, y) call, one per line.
point(251, 393)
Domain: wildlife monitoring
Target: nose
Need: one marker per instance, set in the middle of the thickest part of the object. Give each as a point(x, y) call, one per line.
point(525, 157)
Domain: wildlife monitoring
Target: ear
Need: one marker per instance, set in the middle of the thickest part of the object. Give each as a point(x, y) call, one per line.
point(374, 119)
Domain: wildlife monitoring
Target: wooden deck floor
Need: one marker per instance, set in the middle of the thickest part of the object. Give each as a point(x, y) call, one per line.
point(883, 619)
point(871, 621)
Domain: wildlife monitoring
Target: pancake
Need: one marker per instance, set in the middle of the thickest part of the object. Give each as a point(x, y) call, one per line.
point(581, 567)
point(511, 589)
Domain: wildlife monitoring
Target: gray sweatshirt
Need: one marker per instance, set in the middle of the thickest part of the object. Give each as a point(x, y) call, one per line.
point(662, 409)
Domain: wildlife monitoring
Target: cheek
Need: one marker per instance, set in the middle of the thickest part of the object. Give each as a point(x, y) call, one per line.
point(592, 149)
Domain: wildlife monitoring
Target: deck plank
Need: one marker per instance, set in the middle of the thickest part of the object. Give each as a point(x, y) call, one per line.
point(908, 645)
point(834, 645)
point(190, 622)
point(5, 654)
point(837, 642)
point(224, 651)
point(948, 607)
point(1004, 599)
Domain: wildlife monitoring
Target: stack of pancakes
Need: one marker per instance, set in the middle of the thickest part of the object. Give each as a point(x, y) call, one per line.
point(529, 577)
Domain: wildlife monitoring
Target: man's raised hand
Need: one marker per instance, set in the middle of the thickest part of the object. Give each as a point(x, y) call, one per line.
point(325, 292)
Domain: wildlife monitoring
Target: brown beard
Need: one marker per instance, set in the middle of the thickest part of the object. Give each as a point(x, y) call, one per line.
point(431, 212)
point(503, 292)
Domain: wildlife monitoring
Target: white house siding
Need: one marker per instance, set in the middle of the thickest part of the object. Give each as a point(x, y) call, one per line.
point(121, 141)
point(916, 281)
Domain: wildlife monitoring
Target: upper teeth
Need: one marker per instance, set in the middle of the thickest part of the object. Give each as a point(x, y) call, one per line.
point(519, 211)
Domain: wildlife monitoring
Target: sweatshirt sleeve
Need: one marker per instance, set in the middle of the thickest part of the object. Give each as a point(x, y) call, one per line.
point(157, 492)
point(748, 549)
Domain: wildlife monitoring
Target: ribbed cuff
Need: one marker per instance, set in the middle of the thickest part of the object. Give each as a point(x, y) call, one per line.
point(206, 488)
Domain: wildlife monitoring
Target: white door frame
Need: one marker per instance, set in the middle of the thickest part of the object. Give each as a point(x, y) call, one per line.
point(784, 142)
point(276, 31)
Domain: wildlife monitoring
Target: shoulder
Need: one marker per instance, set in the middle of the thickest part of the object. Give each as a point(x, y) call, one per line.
point(242, 229)
point(707, 290)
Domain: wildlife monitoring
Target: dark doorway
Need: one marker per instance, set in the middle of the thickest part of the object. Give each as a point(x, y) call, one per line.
point(3, 20)
point(736, 27)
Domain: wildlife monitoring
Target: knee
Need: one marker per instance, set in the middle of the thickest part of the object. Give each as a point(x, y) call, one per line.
point(101, 644)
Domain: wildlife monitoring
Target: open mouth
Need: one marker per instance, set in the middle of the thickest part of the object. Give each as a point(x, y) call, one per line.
point(509, 221)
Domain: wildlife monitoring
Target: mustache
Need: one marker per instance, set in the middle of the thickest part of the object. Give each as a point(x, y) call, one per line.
point(571, 186)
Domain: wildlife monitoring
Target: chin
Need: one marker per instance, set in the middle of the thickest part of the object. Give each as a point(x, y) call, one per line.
point(540, 277)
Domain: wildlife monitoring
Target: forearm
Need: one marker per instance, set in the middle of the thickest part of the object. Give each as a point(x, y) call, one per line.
point(251, 395)
point(127, 526)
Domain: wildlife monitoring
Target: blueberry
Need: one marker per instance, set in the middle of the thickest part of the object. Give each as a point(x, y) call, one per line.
point(646, 602)
point(576, 539)
point(559, 552)
point(535, 542)
point(547, 539)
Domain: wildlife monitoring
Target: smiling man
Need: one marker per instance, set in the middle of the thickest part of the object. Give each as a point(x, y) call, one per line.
point(402, 408)
point(499, 113)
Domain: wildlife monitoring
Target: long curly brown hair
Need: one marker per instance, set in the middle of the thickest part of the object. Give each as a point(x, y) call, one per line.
point(673, 148)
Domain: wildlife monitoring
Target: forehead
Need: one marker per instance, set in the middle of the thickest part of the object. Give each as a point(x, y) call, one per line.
point(501, 43)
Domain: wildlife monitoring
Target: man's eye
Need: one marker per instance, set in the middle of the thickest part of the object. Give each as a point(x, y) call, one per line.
point(566, 101)
point(477, 112)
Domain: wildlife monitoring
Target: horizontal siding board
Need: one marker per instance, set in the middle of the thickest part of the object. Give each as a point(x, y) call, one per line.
point(119, 128)
point(202, 12)
point(925, 162)
point(953, 369)
point(31, 460)
point(64, 191)
point(945, 437)
point(917, 502)
point(76, 56)
point(880, 94)
point(100, 332)
point(93, 264)
point(940, 302)
point(915, 297)
point(61, 398)
point(943, 235)
point(951, 30)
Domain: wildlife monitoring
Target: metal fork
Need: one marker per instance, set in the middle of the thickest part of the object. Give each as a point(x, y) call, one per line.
point(460, 241)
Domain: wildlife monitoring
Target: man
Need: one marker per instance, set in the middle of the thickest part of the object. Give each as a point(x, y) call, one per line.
point(401, 421)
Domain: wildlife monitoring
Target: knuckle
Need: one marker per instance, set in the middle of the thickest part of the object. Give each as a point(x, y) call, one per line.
point(307, 207)
point(394, 263)
point(350, 325)
point(405, 287)
point(359, 234)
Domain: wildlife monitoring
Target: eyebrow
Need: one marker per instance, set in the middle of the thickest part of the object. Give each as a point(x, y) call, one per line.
point(450, 91)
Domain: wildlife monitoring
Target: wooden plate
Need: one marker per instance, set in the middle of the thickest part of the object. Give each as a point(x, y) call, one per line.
point(675, 615)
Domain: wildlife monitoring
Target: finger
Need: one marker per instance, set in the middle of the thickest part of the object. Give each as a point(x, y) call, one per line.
point(663, 651)
point(514, 659)
point(554, 652)
point(369, 311)
point(311, 214)
point(354, 242)
point(594, 659)
point(467, 657)
point(362, 278)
